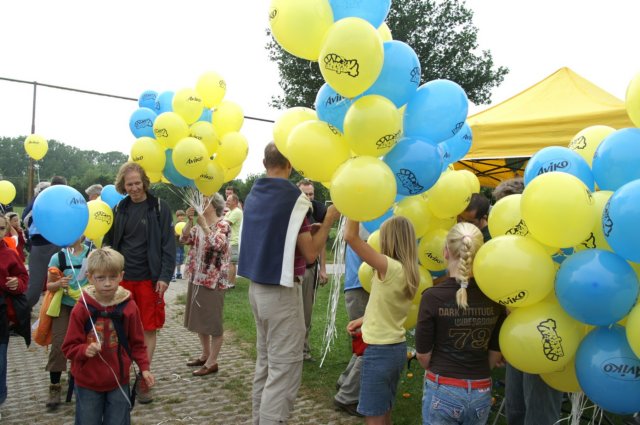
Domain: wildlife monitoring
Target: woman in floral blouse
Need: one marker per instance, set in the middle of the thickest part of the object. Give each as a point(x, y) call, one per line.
point(207, 272)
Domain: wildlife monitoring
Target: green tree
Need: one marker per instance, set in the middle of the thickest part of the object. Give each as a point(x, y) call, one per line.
point(442, 34)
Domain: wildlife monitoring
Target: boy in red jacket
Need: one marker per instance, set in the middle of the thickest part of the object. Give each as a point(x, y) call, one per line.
point(92, 343)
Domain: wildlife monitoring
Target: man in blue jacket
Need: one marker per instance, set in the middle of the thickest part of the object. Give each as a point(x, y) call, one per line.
point(276, 243)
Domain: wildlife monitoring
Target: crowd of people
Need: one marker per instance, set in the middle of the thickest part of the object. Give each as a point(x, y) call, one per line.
point(103, 306)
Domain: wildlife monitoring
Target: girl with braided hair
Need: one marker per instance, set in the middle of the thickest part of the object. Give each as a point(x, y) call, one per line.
point(457, 338)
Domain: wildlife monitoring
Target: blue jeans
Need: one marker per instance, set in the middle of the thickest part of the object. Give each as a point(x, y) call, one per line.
point(3, 372)
point(446, 404)
point(530, 401)
point(108, 408)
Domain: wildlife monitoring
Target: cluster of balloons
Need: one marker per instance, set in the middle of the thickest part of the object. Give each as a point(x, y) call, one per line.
point(576, 320)
point(378, 140)
point(190, 137)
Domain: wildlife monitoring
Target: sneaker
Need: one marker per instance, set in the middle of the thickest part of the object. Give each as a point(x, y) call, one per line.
point(54, 396)
point(173, 278)
point(143, 392)
point(307, 357)
point(351, 409)
point(179, 276)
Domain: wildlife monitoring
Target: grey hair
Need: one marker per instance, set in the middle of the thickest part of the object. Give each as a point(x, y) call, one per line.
point(94, 189)
point(40, 187)
point(217, 202)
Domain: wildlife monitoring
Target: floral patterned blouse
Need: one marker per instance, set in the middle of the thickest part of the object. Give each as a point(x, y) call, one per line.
point(208, 262)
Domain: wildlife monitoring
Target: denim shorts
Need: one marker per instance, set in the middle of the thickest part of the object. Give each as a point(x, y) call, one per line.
point(179, 255)
point(379, 377)
point(446, 404)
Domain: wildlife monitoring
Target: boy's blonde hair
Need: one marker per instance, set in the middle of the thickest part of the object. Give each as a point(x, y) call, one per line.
point(398, 241)
point(105, 260)
point(463, 242)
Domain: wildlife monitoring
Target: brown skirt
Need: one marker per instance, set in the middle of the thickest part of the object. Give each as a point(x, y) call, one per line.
point(203, 312)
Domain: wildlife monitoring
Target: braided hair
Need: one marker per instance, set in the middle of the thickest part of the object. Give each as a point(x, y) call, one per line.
point(463, 242)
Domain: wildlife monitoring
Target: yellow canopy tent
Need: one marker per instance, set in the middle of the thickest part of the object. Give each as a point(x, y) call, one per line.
point(549, 113)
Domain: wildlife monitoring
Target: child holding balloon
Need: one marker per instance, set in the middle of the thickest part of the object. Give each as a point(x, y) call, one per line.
point(66, 276)
point(393, 286)
point(457, 338)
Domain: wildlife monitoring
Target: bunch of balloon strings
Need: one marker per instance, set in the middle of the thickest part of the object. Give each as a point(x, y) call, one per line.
point(335, 289)
point(77, 278)
point(580, 404)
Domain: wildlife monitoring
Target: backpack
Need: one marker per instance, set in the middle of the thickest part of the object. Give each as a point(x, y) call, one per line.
point(62, 261)
point(116, 315)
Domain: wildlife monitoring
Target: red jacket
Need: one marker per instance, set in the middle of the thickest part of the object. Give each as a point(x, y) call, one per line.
point(11, 266)
point(92, 372)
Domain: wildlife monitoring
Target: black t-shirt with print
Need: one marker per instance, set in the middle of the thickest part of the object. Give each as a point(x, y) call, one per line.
point(458, 339)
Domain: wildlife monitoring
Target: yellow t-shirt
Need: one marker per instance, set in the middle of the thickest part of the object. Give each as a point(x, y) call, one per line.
point(387, 308)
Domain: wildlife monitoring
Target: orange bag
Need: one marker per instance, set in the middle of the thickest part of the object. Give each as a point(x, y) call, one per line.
point(42, 333)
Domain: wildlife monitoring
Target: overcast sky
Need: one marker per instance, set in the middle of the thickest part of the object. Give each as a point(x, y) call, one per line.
point(126, 47)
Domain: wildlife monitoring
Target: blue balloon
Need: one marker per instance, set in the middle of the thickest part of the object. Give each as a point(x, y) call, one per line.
point(172, 174)
point(596, 287)
point(561, 159)
point(436, 111)
point(148, 99)
point(60, 214)
point(373, 11)
point(331, 107)
point(615, 162)
point(141, 122)
point(110, 195)
point(400, 75)
point(374, 225)
point(608, 371)
point(415, 163)
point(620, 221)
point(207, 115)
point(457, 146)
point(164, 102)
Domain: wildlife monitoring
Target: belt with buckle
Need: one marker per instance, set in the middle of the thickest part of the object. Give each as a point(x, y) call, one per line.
point(476, 384)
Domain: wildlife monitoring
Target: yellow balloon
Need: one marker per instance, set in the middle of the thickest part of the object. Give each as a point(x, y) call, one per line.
point(541, 338)
point(178, 227)
point(564, 380)
point(100, 219)
point(227, 118)
point(233, 150)
point(363, 188)
point(374, 240)
point(211, 180)
point(286, 122)
point(190, 157)
point(416, 210)
point(212, 88)
point(596, 238)
point(412, 317)
point(316, 149)
point(514, 271)
point(431, 250)
point(426, 281)
point(587, 140)
point(299, 27)
point(559, 209)
point(365, 274)
point(632, 100)
point(372, 125)
point(205, 132)
point(472, 179)
point(385, 32)
point(149, 154)
point(633, 329)
point(188, 104)
point(450, 195)
point(232, 173)
point(155, 176)
point(7, 192)
point(36, 146)
point(169, 128)
point(351, 57)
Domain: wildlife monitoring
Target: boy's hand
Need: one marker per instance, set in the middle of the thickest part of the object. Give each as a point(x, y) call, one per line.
point(92, 349)
point(12, 283)
point(148, 378)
